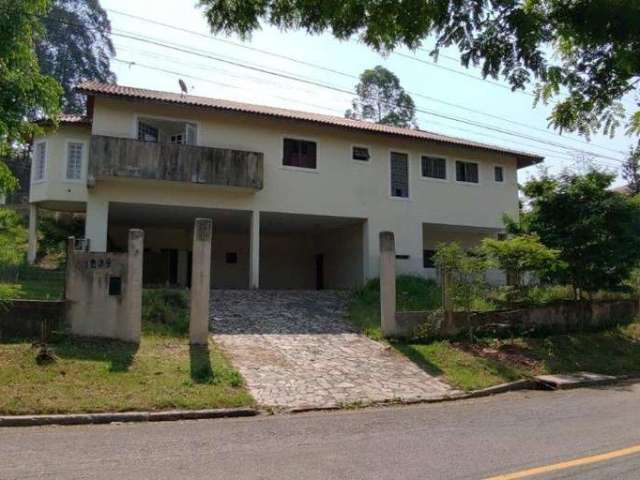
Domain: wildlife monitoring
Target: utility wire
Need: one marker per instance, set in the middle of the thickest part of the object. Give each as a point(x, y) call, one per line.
point(355, 77)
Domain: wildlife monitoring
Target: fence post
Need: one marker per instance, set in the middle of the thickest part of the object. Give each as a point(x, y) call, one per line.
point(388, 283)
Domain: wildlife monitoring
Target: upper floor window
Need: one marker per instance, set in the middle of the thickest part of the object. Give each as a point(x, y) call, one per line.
point(158, 130)
point(39, 161)
point(467, 172)
point(75, 152)
point(360, 153)
point(434, 167)
point(299, 153)
point(399, 175)
point(498, 173)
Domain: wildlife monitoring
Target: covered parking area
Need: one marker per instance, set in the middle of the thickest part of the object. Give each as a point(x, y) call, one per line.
point(250, 249)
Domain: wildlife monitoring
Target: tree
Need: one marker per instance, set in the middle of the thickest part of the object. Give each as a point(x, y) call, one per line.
point(631, 170)
point(76, 46)
point(517, 256)
point(23, 88)
point(596, 42)
point(596, 230)
point(382, 100)
point(13, 238)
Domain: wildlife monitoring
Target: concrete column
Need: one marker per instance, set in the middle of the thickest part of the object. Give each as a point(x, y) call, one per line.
point(183, 267)
point(254, 250)
point(97, 223)
point(131, 328)
point(387, 283)
point(32, 248)
point(200, 281)
point(366, 275)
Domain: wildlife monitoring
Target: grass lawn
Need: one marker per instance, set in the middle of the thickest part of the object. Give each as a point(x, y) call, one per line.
point(471, 366)
point(33, 290)
point(104, 375)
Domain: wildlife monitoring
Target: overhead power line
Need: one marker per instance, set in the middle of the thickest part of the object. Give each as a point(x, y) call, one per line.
point(191, 51)
point(356, 77)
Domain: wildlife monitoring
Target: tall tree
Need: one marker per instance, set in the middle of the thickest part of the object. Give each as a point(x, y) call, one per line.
point(631, 170)
point(596, 42)
point(596, 230)
point(381, 99)
point(23, 88)
point(76, 46)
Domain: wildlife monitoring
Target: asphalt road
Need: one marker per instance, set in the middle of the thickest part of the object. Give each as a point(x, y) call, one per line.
point(471, 439)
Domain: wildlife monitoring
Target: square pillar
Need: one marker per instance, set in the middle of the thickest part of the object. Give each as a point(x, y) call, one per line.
point(97, 224)
point(32, 249)
point(254, 250)
point(200, 281)
point(131, 329)
point(388, 283)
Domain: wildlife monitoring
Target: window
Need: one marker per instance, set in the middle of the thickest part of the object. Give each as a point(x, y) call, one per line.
point(428, 258)
point(231, 257)
point(299, 153)
point(467, 172)
point(498, 174)
point(178, 139)
point(360, 153)
point(399, 175)
point(115, 285)
point(434, 167)
point(147, 133)
point(39, 161)
point(74, 160)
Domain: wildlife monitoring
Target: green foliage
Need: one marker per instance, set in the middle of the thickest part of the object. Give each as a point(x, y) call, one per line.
point(595, 230)
point(631, 170)
point(76, 46)
point(24, 90)
point(54, 232)
point(463, 274)
point(13, 238)
point(595, 42)
point(517, 256)
point(412, 293)
point(165, 312)
point(382, 99)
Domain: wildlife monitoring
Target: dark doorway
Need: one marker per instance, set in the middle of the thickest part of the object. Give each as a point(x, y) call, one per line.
point(320, 271)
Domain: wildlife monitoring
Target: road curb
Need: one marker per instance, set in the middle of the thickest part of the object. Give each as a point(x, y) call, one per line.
point(122, 417)
point(545, 381)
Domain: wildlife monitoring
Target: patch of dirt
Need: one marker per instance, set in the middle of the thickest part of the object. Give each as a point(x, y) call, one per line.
point(505, 353)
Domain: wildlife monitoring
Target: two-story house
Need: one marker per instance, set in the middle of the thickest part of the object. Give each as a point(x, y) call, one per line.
point(297, 199)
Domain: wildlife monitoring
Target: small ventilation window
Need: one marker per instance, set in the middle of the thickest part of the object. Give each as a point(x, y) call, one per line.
point(360, 154)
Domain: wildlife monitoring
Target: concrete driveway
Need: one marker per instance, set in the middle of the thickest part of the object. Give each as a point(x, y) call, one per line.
point(296, 350)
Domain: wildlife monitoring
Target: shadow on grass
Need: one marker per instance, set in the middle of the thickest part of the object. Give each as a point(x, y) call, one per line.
point(418, 358)
point(119, 355)
point(201, 370)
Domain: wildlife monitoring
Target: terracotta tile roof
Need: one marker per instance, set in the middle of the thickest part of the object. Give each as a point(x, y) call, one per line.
point(97, 88)
point(71, 118)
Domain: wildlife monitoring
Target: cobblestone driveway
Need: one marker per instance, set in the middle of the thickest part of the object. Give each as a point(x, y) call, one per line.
point(295, 349)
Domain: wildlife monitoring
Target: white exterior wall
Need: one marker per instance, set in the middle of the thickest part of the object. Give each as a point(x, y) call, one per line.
point(55, 188)
point(339, 187)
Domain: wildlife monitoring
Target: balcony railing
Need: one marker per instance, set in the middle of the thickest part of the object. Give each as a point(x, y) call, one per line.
point(127, 158)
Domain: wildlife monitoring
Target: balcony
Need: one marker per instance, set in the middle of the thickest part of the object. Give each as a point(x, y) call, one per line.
point(113, 157)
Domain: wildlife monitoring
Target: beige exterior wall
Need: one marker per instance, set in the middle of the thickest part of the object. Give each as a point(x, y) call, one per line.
point(55, 188)
point(339, 187)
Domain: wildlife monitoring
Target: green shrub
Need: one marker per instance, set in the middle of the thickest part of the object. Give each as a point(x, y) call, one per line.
point(165, 312)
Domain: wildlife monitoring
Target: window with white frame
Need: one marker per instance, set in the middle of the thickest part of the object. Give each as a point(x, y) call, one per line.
point(39, 161)
point(399, 175)
point(467, 172)
point(75, 152)
point(498, 173)
point(434, 167)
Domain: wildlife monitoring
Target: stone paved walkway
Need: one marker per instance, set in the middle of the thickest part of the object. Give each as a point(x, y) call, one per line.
point(295, 349)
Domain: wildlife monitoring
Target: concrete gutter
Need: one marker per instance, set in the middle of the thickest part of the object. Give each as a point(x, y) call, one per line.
point(120, 417)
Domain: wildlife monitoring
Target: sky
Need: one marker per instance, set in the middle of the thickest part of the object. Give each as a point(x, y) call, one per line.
point(453, 100)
